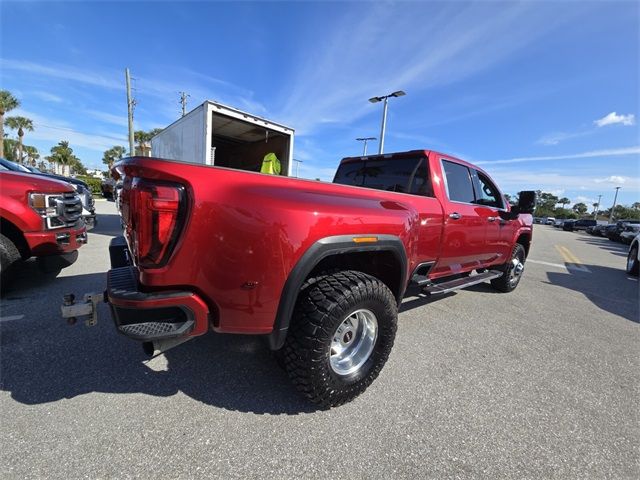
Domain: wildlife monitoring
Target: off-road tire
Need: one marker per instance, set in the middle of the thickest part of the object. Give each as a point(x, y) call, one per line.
point(633, 266)
point(323, 304)
point(9, 255)
point(505, 283)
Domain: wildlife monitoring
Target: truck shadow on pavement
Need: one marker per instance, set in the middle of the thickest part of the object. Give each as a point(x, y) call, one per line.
point(610, 289)
point(44, 360)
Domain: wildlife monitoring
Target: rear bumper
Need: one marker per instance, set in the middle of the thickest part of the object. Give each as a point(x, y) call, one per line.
point(56, 242)
point(150, 316)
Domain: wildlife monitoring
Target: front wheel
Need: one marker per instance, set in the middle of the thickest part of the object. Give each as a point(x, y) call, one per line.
point(512, 271)
point(342, 332)
point(632, 261)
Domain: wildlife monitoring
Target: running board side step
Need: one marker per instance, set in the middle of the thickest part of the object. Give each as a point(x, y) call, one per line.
point(458, 283)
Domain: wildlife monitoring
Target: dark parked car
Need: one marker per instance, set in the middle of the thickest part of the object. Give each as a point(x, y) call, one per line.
point(629, 233)
point(575, 225)
point(614, 230)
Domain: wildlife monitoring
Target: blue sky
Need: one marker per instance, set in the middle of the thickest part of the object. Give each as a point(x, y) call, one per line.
point(543, 95)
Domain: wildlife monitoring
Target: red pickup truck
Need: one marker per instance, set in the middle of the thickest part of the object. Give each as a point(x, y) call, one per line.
point(39, 217)
point(319, 269)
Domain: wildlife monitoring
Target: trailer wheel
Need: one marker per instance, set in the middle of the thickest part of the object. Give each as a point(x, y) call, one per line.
point(342, 332)
point(9, 255)
point(512, 271)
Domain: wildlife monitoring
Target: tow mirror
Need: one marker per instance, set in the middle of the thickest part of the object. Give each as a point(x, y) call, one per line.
point(526, 204)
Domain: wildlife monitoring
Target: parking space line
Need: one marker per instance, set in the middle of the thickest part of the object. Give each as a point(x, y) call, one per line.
point(11, 318)
point(548, 264)
point(572, 262)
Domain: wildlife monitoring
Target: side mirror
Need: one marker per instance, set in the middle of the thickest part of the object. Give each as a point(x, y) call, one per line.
point(526, 204)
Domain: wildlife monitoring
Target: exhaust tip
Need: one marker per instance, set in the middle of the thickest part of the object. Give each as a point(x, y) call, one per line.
point(148, 348)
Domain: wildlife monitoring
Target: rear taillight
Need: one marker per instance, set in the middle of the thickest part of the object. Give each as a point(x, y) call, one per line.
point(155, 214)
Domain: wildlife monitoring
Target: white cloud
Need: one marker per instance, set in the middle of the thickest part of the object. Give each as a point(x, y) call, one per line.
point(64, 72)
point(120, 120)
point(612, 179)
point(613, 118)
point(47, 97)
point(354, 59)
point(54, 130)
point(611, 152)
point(556, 138)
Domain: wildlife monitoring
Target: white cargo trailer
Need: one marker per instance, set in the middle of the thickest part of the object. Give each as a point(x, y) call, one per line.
point(215, 134)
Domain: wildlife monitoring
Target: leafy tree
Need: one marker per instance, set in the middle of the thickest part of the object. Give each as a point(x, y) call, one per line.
point(580, 208)
point(546, 203)
point(113, 155)
point(636, 205)
point(621, 213)
point(20, 124)
point(7, 103)
point(564, 201)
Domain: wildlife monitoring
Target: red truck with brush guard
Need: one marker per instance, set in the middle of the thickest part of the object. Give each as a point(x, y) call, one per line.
point(318, 269)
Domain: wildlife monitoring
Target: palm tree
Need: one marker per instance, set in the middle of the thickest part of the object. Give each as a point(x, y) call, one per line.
point(10, 146)
point(63, 155)
point(143, 138)
point(21, 124)
point(32, 155)
point(113, 155)
point(7, 103)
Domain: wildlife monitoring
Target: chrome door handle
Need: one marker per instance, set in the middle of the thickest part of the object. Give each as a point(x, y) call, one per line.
point(455, 216)
point(492, 219)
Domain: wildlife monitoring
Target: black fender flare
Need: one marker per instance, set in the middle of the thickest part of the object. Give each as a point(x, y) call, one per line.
point(321, 249)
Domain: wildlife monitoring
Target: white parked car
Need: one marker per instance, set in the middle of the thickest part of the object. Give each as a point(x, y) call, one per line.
point(550, 221)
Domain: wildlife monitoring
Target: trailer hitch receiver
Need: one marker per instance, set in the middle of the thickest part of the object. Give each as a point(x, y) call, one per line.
point(87, 308)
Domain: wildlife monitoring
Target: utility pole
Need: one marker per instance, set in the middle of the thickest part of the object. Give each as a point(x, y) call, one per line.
point(595, 213)
point(183, 101)
point(365, 140)
point(614, 205)
point(130, 104)
point(298, 162)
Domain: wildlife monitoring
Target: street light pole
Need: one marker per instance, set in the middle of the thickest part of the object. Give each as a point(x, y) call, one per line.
point(595, 213)
point(365, 140)
point(383, 128)
point(614, 205)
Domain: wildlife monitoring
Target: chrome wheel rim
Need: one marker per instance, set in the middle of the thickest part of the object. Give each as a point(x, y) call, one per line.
point(515, 272)
point(353, 342)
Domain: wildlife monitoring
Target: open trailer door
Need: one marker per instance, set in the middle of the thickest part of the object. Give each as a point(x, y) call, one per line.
point(215, 134)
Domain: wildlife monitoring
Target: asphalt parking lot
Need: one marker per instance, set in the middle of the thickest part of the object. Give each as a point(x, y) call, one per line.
point(539, 383)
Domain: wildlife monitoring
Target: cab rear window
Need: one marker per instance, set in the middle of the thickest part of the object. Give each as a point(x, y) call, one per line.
point(403, 175)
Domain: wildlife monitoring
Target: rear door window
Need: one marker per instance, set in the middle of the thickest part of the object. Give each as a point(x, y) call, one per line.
point(458, 182)
point(403, 175)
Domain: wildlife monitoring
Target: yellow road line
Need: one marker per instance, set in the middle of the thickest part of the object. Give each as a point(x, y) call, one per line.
point(569, 258)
